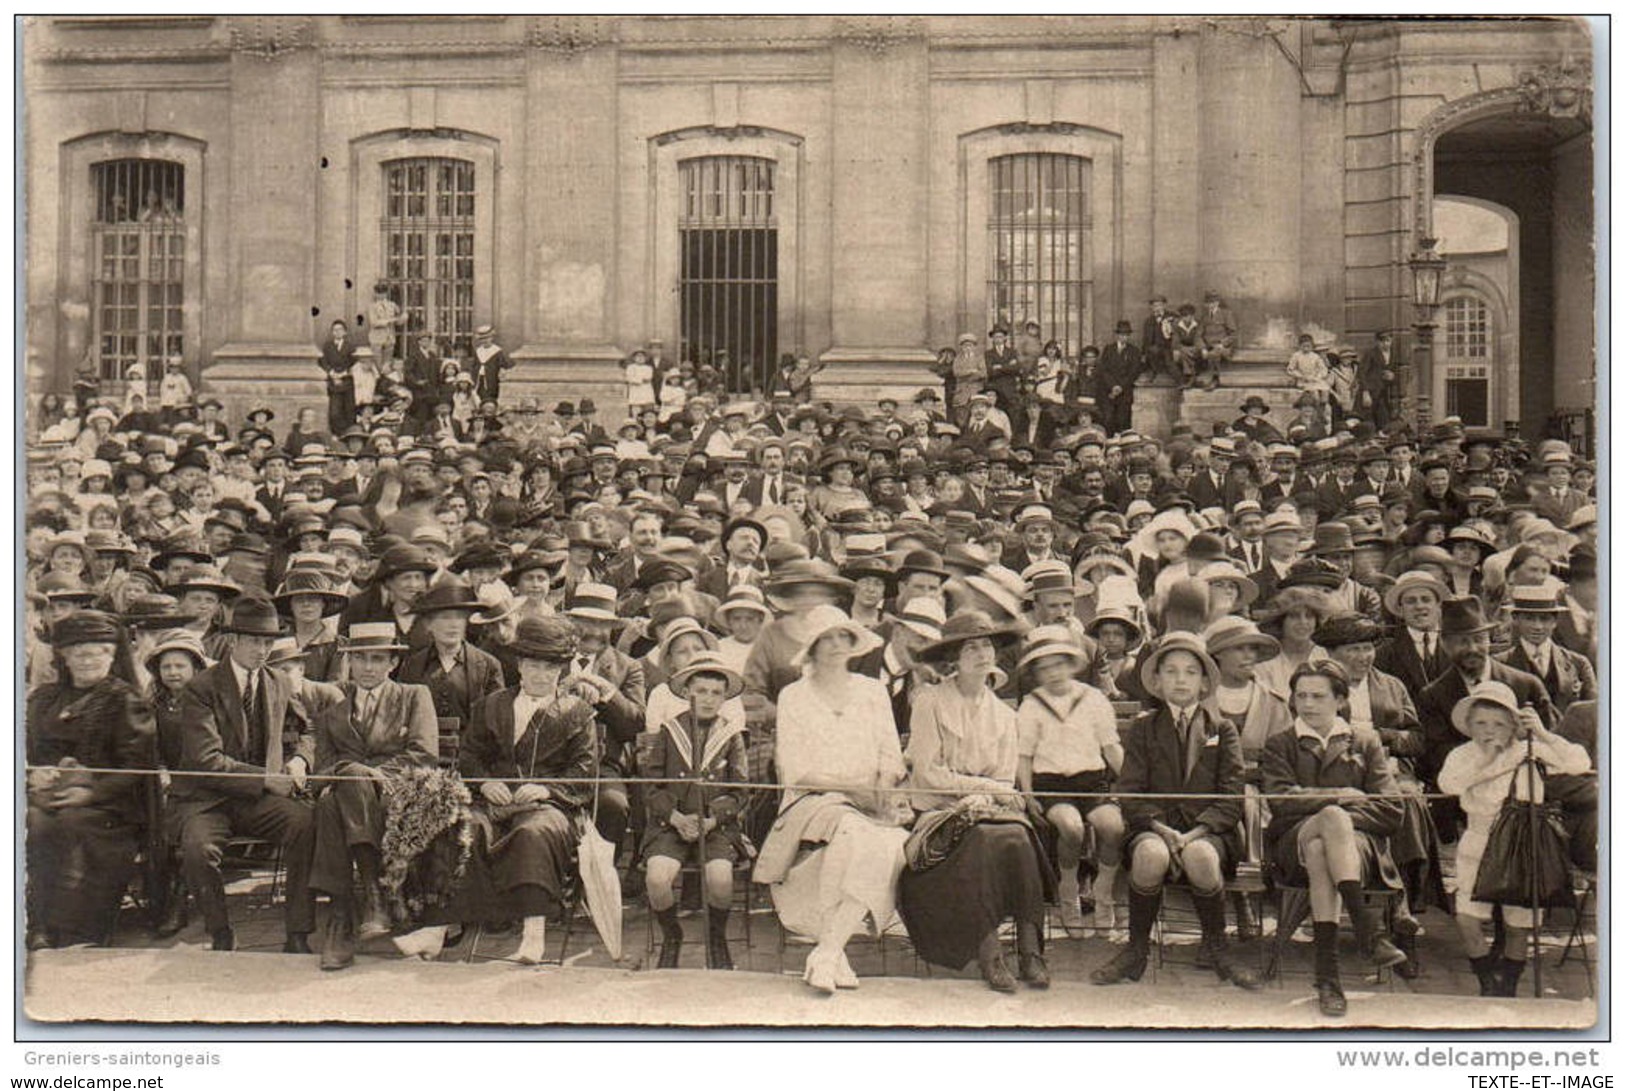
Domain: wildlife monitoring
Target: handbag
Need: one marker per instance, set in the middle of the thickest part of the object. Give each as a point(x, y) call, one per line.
point(1526, 855)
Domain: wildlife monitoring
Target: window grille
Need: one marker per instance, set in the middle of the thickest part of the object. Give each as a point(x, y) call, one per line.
point(138, 253)
point(1466, 328)
point(729, 276)
point(428, 249)
point(1040, 264)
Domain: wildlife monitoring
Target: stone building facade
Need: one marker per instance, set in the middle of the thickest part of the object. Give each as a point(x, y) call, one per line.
point(859, 189)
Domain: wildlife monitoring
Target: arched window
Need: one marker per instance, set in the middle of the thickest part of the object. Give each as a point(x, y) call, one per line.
point(138, 257)
point(427, 248)
point(728, 277)
point(1040, 264)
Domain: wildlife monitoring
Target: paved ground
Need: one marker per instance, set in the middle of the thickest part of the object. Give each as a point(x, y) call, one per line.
point(178, 979)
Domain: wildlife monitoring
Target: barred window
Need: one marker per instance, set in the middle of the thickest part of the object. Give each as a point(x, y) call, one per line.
point(1040, 265)
point(138, 241)
point(1466, 328)
point(428, 248)
point(729, 277)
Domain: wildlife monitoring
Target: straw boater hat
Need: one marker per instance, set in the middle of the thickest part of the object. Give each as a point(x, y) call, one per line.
point(923, 616)
point(1053, 575)
point(744, 596)
point(1410, 581)
point(372, 636)
point(1001, 586)
point(824, 620)
point(593, 602)
point(707, 663)
point(285, 650)
point(1236, 632)
point(1539, 598)
point(1498, 694)
point(1175, 642)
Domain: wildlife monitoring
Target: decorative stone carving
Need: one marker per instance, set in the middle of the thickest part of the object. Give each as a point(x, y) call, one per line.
point(879, 33)
point(1559, 90)
point(1053, 128)
point(569, 35)
point(271, 36)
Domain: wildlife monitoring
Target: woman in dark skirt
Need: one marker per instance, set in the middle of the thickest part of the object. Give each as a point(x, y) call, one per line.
point(974, 860)
point(1334, 805)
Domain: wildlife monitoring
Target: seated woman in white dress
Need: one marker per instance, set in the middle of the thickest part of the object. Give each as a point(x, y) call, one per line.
point(834, 853)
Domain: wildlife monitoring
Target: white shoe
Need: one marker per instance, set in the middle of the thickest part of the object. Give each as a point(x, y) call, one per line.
point(820, 971)
point(845, 976)
point(532, 941)
point(425, 943)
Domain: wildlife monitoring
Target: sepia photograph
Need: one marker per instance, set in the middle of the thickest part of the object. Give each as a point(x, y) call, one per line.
point(812, 522)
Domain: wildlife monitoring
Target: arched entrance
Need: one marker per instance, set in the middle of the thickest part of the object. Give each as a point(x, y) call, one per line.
point(1526, 149)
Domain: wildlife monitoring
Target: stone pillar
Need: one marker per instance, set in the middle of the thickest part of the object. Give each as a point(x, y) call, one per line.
point(1251, 179)
point(1175, 180)
point(570, 209)
point(273, 164)
point(879, 181)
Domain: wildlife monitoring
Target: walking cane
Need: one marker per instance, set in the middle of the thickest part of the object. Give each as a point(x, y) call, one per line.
point(1534, 860)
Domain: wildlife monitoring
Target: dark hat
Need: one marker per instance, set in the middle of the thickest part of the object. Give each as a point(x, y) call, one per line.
point(963, 627)
point(835, 456)
point(1333, 537)
point(403, 558)
point(181, 545)
point(309, 582)
point(207, 578)
point(86, 627)
point(1350, 628)
point(1313, 572)
point(923, 560)
point(661, 571)
point(450, 595)
point(579, 535)
point(481, 555)
point(548, 638)
point(1123, 326)
point(747, 524)
point(1255, 402)
point(1463, 617)
point(586, 406)
point(253, 615)
point(152, 611)
point(249, 543)
point(1205, 546)
point(1582, 565)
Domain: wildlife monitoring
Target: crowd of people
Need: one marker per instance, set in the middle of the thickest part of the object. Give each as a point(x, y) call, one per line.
point(952, 663)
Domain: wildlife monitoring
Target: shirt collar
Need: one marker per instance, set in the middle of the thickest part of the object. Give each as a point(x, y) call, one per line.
point(1304, 731)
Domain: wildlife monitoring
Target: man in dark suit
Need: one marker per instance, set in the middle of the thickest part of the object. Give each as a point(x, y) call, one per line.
point(337, 360)
point(1464, 636)
point(743, 541)
point(1373, 381)
point(644, 535)
point(232, 720)
point(1120, 365)
point(457, 674)
point(612, 682)
point(1283, 540)
point(1568, 676)
point(1157, 338)
point(1211, 487)
point(769, 484)
point(274, 483)
point(1413, 653)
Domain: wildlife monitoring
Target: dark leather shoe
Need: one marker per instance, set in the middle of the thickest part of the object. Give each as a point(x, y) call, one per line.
point(998, 976)
point(671, 951)
point(1032, 969)
point(297, 943)
point(1332, 1000)
point(224, 940)
point(1126, 965)
point(338, 943)
point(1229, 970)
point(174, 915)
point(1411, 968)
point(717, 955)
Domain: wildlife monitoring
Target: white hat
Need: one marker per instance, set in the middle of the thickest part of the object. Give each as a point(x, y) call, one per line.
point(824, 620)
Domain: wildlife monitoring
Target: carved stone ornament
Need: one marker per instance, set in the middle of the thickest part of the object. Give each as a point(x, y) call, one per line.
point(271, 36)
point(1557, 90)
point(878, 33)
point(569, 35)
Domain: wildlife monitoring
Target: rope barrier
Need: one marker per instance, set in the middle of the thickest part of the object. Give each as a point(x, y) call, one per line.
point(334, 778)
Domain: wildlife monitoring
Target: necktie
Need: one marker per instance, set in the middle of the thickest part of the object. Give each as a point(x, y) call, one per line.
point(773, 490)
point(258, 716)
point(583, 664)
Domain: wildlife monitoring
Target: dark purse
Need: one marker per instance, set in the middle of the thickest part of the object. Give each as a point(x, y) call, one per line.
point(1526, 857)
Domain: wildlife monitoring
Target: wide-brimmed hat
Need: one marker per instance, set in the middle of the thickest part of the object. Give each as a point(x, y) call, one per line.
point(552, 639)
point(707, 663)
point(1332, 538)
point(177, 640)
point(1409, 581)
point(1491, 693)
point(1051, 575)
point(837, 455)
point(1233, 631)
point(253, 615)
point(744, 596)
point(452, 595)
point(372, 636)
point(285, 650)
point(593, 602)
point(1463, 616)
point(1175, 642)
point(824, 620)
point(1472, 534)
point(1312, 572)
point(1229, 573)
point(805, 573)
point(868, 565)
point(1255, 402)
point(965, 626)
point(403, 558)
point(482, 555)
point(152, 611)
point(1347, 628)
point(61, 587)
point(684, 625)
point(309, 582)
point(1120, 614)
point(206, 578)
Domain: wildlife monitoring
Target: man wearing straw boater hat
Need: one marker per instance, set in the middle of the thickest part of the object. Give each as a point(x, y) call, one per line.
point(233, 718)
point(379, 729)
